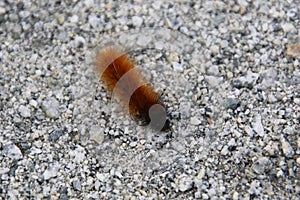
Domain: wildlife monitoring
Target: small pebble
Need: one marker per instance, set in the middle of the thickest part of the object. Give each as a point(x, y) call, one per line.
point(185, 183)
point(96, 134)
point(76, 185)
point(195, 121)
point(177, 66)
point(51, 171)
point(288, 27)
point(51, 108)
point(79, 41)
point(24, 111)
point(94, 21)
point(247, 81)
point(12, 151)
point(144, 40)
point(231, 103)
point(55, 134)
point(286, 147)
point(257, 126)
point(137, 21)
point(261, 165)
point(2, 10)
point(213, 80)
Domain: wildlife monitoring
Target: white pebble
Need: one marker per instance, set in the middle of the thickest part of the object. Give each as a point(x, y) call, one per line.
point(287, 27)
point(74, 19)
point(51, 172)
point(177, 66)
point(195, 121)
point(97, 134)
point(137, 21)
point(143, 40)
point(78, 155)
point(258, 127)
point(24, 111)
point(79, 41)
point(184, 183)
point(2, 11)
point(213, 80)
point(12, 151)
point(89, 3)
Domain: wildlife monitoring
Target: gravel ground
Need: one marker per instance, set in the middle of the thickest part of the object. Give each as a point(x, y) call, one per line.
point(228, 72)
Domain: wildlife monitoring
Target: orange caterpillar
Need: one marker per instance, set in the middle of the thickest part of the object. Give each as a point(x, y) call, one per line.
point(119, 75)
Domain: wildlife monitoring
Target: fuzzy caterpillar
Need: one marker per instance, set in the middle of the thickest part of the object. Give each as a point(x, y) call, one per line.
point(118, 73)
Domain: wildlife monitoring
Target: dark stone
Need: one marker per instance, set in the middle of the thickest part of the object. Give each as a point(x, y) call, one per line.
point(231, 103)
point(64, 194)
point(55, 135)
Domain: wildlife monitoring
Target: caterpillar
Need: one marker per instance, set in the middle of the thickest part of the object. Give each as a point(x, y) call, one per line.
point(117, 70)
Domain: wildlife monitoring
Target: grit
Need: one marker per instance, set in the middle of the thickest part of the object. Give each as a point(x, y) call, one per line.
point(228, 71)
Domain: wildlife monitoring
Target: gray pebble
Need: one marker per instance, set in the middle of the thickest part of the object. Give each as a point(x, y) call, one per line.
point(96, 134)
point(185, 183)
point(137, 21)
point(257, 126)
point(212, 192)
point(177, 66)
point(78, 154)
point(254, 187)
point(12, 151)
point(33, 58)
point(231, 103)
point(272, 148)
point(247, 81)
point(132, 144)
point(63, 36)
point(143, 40)
point(249, 131)
point(51, 171)
point(55, 135)
point(2, 10)
point(74, 19)
point(288, 27)
point(205, 196)
point(195, 121)
point(215, 49)
point(89, 3)
point(51, 108)
point(156, 5)
point(76, 185)
point(24, 13)
point(4, 171)
point(261, 165)
point(24, 111)
point(286, 147)
point(214, 81)
point(63, 194)
point(213, 70)
point(272, 98)
point(185, 109)
point(94, 21)
point(269, 77)
point(225, 150)
point(79, 41)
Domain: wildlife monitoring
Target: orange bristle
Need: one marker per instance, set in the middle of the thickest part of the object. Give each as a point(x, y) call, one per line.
point(118, 73)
